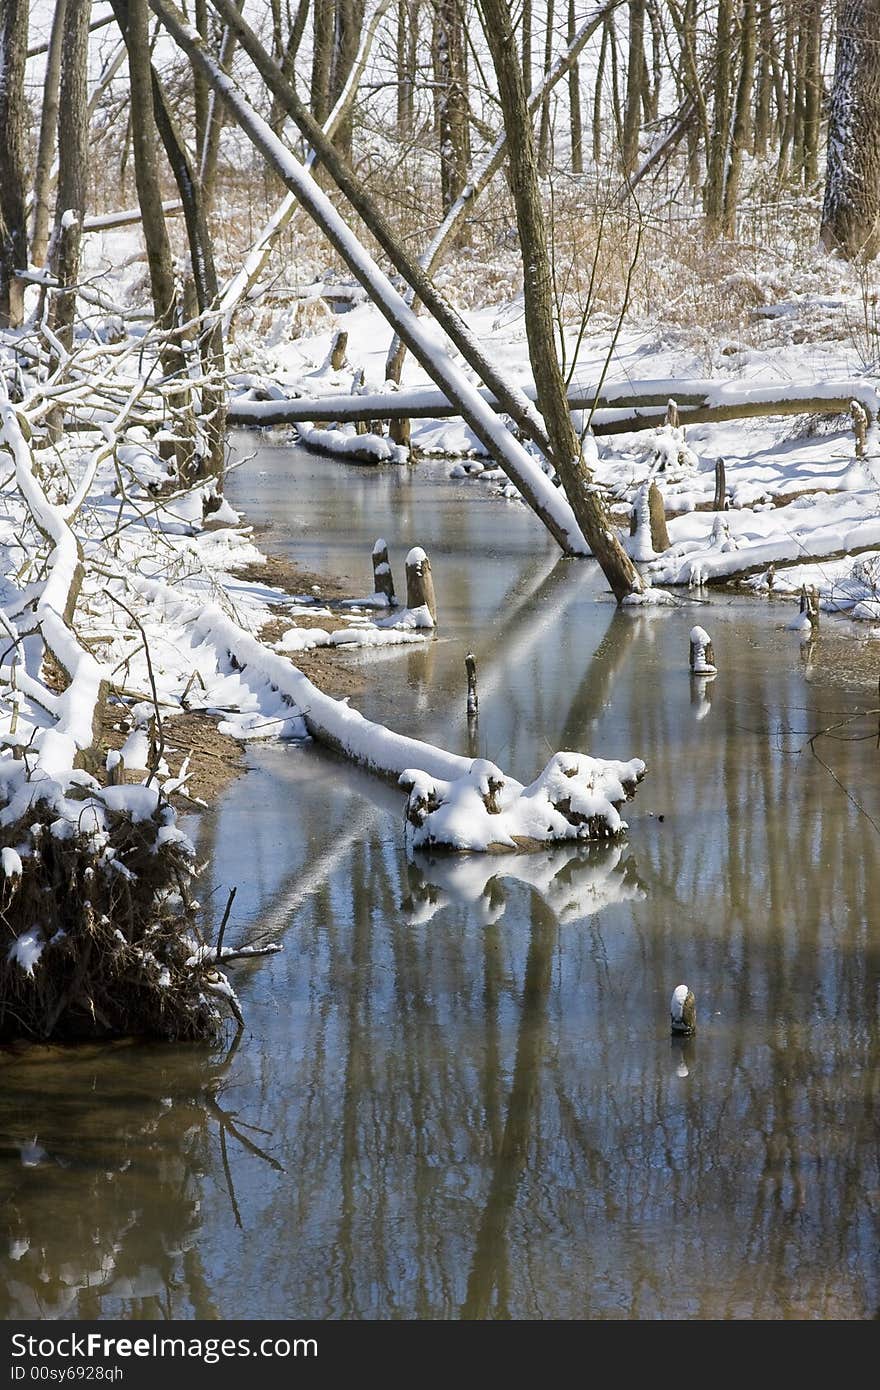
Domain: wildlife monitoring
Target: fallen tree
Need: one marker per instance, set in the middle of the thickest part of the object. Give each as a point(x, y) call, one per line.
point(620, 407)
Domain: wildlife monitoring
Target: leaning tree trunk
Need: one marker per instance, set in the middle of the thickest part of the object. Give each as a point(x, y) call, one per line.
point(851, 213)
point(48, 134)
point(13, 147)
point(574, 475)
point(537, 490)
point(73, 161)
point(513, 400)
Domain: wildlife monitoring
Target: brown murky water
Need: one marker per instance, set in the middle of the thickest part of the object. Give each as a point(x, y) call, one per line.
point(457, 1095)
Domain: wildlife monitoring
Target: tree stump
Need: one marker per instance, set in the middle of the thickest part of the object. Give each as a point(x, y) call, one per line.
point(657, 514)
point(420, 583)
point(683, 1011)
point(470, 663)
point(338, 350)
point(383, 579)
point(400, 432)
point(860, 427)
point(702, 657)
point(720, 502)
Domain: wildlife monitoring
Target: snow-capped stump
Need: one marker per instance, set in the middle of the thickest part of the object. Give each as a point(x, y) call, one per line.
point(576, 797)
point(683, 1011)
point(420, 585)
point(702, 656)
point(807, 621)
point(383, 579)
point(648, 524)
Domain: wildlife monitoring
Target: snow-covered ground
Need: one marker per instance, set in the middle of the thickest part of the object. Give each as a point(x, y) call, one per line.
point(801, 507)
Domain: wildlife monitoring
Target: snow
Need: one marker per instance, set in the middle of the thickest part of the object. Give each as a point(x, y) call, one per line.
point(576, 797)
point(10, 863)
point(26, 950)
point(679, 995)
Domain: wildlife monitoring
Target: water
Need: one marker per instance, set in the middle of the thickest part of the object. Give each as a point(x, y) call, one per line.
point(457, 1094)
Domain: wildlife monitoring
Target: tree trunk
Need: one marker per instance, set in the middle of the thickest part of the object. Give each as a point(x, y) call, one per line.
point(851, 212)
point(13, 148)
point(48, 136)
point(764, 80)
point(209, 148)
point(539, 314)
point(813, 94)
point(716, 155)
point(634, 87)
point(407, 41)
point(132, 17)
point(453, 122)
point(575, 120)
point(544, 154)
point(213, 392)
point(741, 136)
point(73, 157)
point(322, 57)
point(349, 23)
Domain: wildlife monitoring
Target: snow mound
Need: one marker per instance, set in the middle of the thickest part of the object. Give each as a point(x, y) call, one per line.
point(576, 797)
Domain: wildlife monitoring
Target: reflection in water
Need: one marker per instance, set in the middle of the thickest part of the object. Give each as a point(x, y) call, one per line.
point(102, 1209)
point(461, 1067)
point(575, 881)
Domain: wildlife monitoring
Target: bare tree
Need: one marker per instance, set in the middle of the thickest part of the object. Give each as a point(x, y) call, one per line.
point(573, 472)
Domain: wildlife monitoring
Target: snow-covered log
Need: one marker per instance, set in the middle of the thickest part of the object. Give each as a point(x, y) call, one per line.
point(465, 803)
point(621, 407)
point(575, 798)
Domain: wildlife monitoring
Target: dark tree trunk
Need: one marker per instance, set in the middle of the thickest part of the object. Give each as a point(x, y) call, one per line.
point(73, 163)
point(450, 77)
point(48, 137)
point(575, 120)
point(851, 213)
point(635, 86)
point(13, 147)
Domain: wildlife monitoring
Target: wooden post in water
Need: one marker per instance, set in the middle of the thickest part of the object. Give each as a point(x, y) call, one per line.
point(420, 583)
point(473, 704)
point(810, 605)
point(683, 1011)
point(860, 427)
point(672, 414)
point(720, 487)
point(383, 579)
point(702, 658)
